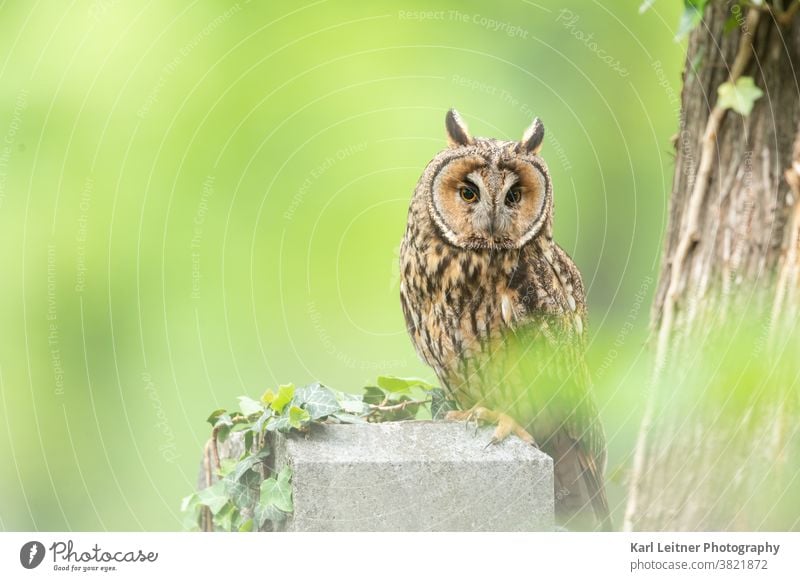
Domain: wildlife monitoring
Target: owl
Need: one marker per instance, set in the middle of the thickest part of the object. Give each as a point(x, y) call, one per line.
point(498, 310)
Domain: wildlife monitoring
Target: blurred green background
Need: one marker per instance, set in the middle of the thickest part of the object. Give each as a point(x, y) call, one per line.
point(202, 200)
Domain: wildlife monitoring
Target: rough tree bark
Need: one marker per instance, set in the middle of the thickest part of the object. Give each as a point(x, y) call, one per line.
point(713, 444)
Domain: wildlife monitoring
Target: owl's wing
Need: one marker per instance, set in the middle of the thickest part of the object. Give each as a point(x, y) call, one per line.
point(563, 415)
point(550, 353)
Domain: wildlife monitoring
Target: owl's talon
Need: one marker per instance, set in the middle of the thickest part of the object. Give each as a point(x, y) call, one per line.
point(469, 417)
point(506, 425)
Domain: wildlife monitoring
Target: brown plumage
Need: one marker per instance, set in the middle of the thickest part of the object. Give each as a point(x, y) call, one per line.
point(498, 310)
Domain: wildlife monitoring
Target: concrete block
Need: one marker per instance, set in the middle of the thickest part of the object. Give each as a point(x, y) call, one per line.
point(415, 476)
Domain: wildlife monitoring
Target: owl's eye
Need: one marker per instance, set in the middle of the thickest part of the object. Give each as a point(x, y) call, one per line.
point(513, 196)
point(468, 194)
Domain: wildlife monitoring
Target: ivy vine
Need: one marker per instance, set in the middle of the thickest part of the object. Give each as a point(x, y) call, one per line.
point(247, 493)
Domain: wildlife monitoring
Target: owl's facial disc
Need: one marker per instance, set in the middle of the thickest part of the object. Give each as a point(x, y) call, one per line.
point(481, 203)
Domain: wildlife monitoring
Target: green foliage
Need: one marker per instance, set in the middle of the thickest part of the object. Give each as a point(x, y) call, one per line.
point(739, 97)
point(245, 496)
point(277, 401)
point(691, 17)
point(400, 384)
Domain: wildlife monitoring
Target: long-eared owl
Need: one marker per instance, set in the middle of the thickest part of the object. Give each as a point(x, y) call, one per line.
point(498, 310)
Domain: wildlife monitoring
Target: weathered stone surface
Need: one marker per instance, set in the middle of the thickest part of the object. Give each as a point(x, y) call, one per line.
point(415, 476)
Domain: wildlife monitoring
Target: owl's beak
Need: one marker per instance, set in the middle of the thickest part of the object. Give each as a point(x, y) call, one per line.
point(498, 226)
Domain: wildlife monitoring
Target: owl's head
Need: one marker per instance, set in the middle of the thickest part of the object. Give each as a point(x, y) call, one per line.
point(486, 193)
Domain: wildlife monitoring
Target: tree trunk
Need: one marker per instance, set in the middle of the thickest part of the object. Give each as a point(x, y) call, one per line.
point(720, 421)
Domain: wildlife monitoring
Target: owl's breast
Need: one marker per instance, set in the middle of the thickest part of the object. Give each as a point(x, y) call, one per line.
point(457, 304)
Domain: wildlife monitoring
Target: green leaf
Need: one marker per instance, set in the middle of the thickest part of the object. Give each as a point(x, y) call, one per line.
point(401, 384)
point(440, 405)
point(212, 419)
point(351, 403)
point(373, 395)
point(188, 502)
point(249, 406)
point(243, 493)
point(246, 526)
point(270, 513)
point(214, 496)
point(226, 517)
point(226, 466)
point(278, 401)
point(279, 424)
point(739, 97)
point(691, 17)
point(223, 419)
point(223, 432)
point(277, 492)
point(298, 417)
point(285, 478)
point(261, 423)
point(349, 419)
point(407, 413)
point(223, 425)
point(190, 507)
point(249, 462)
point(319, 400)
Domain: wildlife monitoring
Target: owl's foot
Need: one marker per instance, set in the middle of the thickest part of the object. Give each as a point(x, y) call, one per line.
point(506, 425)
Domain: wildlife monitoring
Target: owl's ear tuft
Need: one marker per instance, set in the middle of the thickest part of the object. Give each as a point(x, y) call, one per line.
point(532, 138)
point(457, 131)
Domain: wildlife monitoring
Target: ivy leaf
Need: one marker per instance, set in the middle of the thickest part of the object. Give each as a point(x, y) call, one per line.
point(212, 419)
point(190, 507)
point(317, 399)
point(401, 384)
point(226, 466)
point(245, 465)
point(223, 419)
point(214, 496)
point(246, 526)
point(222, 433)
point(258, 427)
point(277, 491)
point(739, 97)
point(349, 419)
point(244, 493)
point(691, 17)
point(226, 517)
point(280, 424)
point(294, 417)
point(351, 403)
point(298, 417)
point(249, 406)
point(284, 479)
point(373, 395)
point(440, 405)
point(223, 425)
point(270, 513)
point(278, 401)
point(188, 502)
